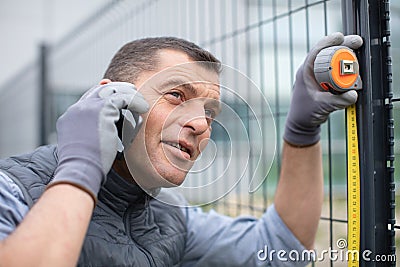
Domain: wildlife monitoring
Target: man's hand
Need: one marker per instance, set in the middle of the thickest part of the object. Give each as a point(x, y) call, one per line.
point(88, 136)
point(310, 106)
point(299, 195)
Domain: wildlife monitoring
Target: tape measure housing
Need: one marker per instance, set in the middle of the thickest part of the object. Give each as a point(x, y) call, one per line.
point(336, 69)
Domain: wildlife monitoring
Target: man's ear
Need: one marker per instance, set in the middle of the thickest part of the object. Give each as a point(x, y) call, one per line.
point(104, 81)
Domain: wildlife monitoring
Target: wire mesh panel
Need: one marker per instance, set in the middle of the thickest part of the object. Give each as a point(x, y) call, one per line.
point(261, 43)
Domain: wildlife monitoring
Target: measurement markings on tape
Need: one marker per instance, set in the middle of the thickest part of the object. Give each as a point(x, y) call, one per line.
point(353, 186)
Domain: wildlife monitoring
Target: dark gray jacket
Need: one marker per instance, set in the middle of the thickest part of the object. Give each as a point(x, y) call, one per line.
point(128, 227)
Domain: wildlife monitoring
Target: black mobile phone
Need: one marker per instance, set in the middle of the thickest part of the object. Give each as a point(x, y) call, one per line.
point(128, 126)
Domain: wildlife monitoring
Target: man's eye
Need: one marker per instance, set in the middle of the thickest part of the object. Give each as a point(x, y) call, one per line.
point(175, 97)
point(176, 94)
point(210, 113)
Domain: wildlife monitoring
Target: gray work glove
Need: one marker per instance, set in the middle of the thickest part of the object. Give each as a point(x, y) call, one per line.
point(88, 137)
point(310, 106)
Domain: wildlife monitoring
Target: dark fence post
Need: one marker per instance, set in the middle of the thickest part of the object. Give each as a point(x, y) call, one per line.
point(370, 19)
point(43, 95)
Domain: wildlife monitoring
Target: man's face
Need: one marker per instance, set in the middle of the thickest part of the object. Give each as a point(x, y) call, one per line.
point(183, 98)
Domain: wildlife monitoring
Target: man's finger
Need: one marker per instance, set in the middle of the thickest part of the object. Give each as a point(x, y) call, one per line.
point(338, 101)
point(330, 40)
point(352, 41)
point(116, 87)
point(130, 101)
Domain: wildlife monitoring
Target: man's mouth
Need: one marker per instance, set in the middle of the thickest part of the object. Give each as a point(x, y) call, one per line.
point(179, 146)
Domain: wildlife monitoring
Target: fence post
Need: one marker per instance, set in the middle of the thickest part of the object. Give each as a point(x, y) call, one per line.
point(43, 94)
point(370, 19)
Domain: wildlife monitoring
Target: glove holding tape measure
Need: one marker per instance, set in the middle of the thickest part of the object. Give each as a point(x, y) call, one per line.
point(311, 104)
point(88, 137)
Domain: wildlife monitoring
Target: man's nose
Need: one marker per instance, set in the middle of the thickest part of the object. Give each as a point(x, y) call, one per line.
point(195, 119)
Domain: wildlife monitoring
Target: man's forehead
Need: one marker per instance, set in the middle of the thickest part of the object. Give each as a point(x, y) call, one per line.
point(188, 73)
point(175, 68)
point(178, 61)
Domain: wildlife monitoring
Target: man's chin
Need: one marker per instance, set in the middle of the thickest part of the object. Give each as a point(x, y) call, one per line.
point(169, 184)
point(160, 181)
point(171, 181)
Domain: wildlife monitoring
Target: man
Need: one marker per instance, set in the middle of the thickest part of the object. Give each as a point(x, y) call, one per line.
point(78, 203)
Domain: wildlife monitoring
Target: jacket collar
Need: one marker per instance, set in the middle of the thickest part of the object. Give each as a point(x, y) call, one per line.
point(118, 194)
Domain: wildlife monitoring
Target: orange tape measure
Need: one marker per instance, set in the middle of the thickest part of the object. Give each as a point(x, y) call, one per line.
point(336, 69)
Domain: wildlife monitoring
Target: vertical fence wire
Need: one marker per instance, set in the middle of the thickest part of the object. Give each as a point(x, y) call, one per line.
point(235, 51)
point(249, 70)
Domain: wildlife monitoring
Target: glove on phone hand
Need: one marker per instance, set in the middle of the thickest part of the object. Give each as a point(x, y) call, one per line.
point(310, 106)
point(88, 137)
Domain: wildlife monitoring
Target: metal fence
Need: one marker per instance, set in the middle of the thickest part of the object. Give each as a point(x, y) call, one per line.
point(263, 40)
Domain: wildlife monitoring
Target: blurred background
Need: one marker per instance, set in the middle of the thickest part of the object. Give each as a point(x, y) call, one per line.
point(54, 50)
point(25, 25)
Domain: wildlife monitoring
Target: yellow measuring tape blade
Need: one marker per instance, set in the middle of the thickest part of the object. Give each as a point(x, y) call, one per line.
point(353, 188)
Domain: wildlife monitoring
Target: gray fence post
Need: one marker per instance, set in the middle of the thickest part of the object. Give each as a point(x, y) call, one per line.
point(370, 19)
point(43, 94)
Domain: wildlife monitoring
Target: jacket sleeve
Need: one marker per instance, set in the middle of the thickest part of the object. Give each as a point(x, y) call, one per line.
point(13, 207)
point(217, 240)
